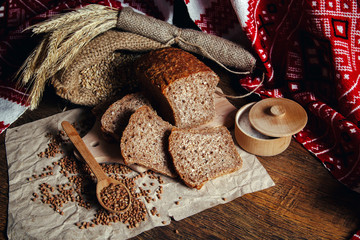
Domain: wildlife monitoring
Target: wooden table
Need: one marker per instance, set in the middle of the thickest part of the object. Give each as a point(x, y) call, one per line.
point(306, 202)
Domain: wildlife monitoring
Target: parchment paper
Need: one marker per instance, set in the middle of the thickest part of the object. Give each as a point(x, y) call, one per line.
point(34, 220)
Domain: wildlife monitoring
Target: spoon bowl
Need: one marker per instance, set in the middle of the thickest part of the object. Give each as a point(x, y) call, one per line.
point(112, 195)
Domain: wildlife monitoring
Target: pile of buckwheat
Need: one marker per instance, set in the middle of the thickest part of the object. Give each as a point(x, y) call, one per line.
point(80, 186)
point(115, 197)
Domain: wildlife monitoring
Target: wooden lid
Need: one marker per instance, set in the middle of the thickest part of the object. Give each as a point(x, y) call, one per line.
point(277, 117)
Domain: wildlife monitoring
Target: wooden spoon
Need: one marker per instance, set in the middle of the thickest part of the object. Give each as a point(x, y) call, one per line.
point(103, 181)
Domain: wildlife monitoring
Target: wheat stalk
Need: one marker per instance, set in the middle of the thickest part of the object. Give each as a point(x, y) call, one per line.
point(66, 35)
point(60, 56)
point(63, 19)
point(27, 68)
point(71, 51)
point(62, 33)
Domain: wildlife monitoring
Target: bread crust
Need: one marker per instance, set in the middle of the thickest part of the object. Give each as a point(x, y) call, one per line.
point(165, 66)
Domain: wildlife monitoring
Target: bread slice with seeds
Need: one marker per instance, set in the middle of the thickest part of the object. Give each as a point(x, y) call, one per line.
point(200, 155)
point(116, 117)
point(145, 142)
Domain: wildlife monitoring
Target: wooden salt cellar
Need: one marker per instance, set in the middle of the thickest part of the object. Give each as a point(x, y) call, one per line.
point(265, 128)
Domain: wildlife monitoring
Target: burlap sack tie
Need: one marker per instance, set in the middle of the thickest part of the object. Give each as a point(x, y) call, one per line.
point(77, 29)
point(220, 50)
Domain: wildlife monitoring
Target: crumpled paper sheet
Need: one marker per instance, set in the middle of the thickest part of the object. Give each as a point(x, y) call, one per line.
point(34, 220)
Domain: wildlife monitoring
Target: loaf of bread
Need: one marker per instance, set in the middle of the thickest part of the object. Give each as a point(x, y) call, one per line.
point(116, 117)
point(203, 154)
point(180, 86)
point(145, 142)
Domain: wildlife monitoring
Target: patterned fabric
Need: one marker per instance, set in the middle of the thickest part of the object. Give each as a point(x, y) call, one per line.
point(309, 50)
point(313, 56)
point(356, 236)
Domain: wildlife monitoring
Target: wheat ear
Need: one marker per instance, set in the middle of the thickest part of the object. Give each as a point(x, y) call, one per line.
point(62, 19)
point(86, 38)
point(66, 35)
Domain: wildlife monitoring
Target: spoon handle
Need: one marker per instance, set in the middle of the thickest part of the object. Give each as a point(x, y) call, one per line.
point(83, 150)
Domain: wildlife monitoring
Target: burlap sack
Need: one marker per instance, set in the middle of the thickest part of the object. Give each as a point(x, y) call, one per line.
point(103, 68)
point(220, 50)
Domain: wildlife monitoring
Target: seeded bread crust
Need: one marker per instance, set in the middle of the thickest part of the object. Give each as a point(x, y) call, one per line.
point(116, 117)
point(145, 142)
point(181, 87)
point(203, 155)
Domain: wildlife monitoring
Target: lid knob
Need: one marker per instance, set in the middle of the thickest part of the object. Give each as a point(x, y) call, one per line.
point(277, 110)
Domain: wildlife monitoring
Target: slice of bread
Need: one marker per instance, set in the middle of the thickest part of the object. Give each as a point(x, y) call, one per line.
point(181, 87)
point(116, 117)
point(200, 155)
point(145, 142)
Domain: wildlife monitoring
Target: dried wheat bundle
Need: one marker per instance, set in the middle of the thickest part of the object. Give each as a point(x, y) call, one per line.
point(65, 35)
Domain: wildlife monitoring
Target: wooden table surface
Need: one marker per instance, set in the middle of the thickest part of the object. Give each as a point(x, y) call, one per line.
point(306, 202)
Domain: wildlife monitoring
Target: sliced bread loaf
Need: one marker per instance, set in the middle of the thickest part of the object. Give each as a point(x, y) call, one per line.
point(181, 86)
point(145, 142)
point(116, 117)
point(202, 155)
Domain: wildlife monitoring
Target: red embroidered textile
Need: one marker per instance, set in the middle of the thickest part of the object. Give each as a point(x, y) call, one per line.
point(356, 236)
point(312, 55)
point(309, 49)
